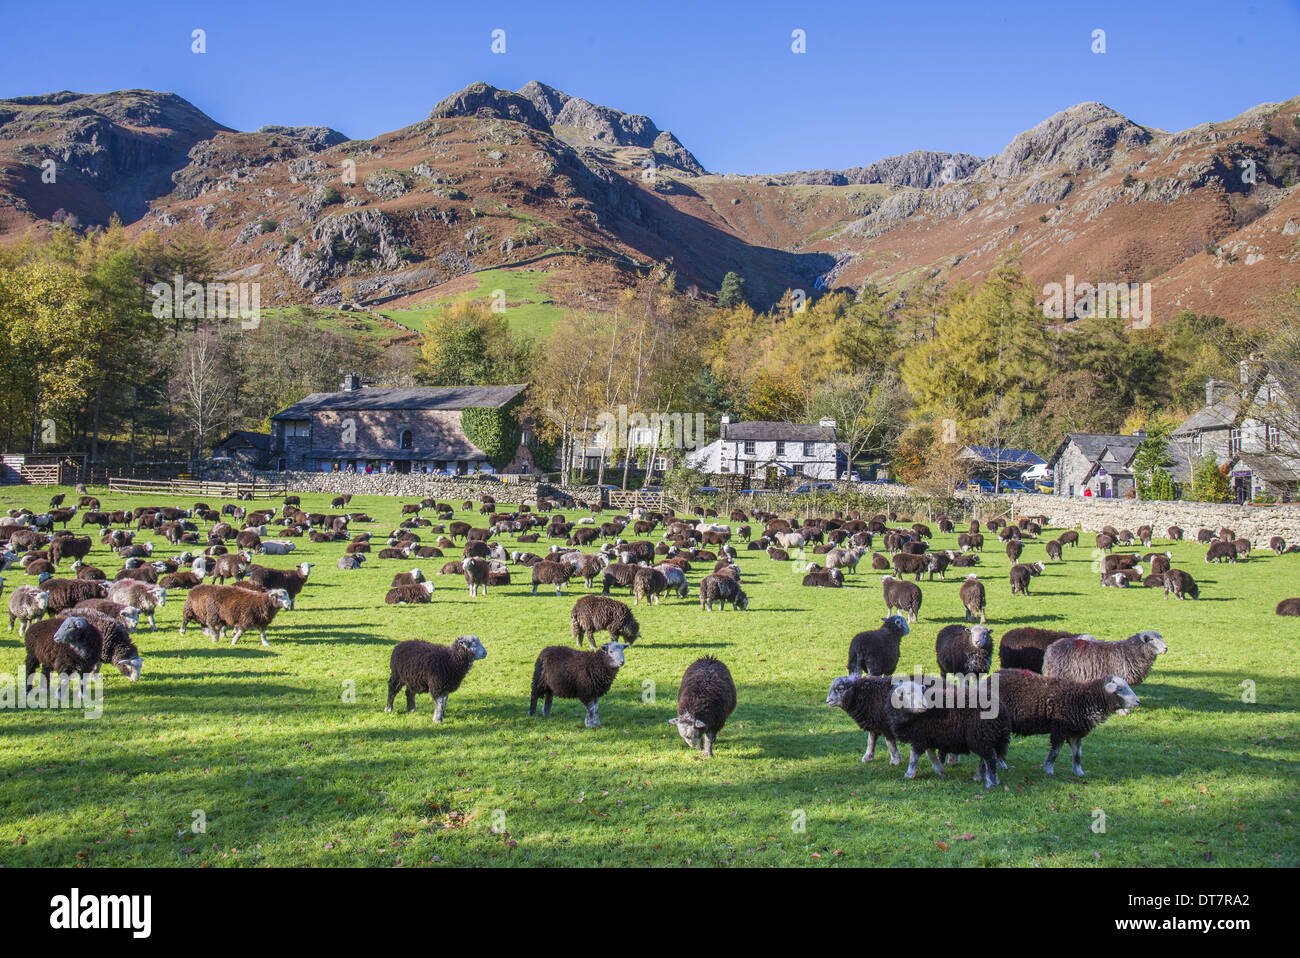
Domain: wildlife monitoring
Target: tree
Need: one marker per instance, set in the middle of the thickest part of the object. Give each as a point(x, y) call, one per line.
point(1151, 480)
point(201, 387)
point(731, 293)
point(864, 406)
point(1209, 483)
point(467, 344)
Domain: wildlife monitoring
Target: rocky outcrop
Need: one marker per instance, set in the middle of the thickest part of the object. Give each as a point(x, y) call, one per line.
point(1083, 137)
point(312, 137)
point(482, 100)
point(920, 169)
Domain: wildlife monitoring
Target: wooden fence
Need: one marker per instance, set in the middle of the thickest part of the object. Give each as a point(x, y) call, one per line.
point(191, 487)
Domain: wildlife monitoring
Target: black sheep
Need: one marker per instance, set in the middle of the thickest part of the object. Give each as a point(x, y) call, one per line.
point(972, 598)
point(876, 651)
point(903, 596)
point(570, 674)
point(1181, 585)
point(116, 646)
point(66, 646)
point(943, 720)
point(866, 700)
point(964, 650)
point(420, 666)
point(1023, 648)
point(601, 613)
point(1288, 607)
point(705, 700)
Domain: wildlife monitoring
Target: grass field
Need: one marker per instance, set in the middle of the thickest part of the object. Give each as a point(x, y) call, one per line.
point(529, 308)
point(264, 746)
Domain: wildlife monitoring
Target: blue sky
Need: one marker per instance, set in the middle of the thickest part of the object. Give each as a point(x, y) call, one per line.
point(877, 79)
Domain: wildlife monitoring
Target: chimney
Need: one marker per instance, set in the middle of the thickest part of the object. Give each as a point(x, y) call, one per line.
point(725, 419)
point(350, 382)
point(826, 423)
point(1216, 390)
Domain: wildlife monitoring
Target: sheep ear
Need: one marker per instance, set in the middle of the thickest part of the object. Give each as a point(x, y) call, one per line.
point(673, 721)
point(700, 724)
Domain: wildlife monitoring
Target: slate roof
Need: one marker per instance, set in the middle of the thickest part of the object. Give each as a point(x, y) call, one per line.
point(1270, 467)
point(1219, 415)
point(777, 432)
point(1007, 457)
point(260, 441)
point(435, 397)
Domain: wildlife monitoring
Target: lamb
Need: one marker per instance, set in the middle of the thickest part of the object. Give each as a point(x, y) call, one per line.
point(570, 674)
point(65, 593)
point(1021, 574)
point(147, 598)
point(825, 579)
point(705, 700)
point(972, 598)
point(66, 646)
point(1181, 585)
point(1084, 659)
point(1062, 709)
point(866, 700)
point(476, 574)
point(724, 589)
point(221, 607)
point(924, 718)
point(648, 583)
point(964, 650)
point(903, 596)
point(27, 604)
point(549, 572)
point(1220, 550)
point(116, 646)
point(599, 613)
point(415, 593)
point(876, 652)
point(420, 666)
point(1023, 648)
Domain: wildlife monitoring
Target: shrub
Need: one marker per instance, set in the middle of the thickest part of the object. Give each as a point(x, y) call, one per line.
point(496, 431)
point(1209, 484)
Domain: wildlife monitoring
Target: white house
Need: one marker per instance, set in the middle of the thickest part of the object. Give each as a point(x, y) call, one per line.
point(792, 448)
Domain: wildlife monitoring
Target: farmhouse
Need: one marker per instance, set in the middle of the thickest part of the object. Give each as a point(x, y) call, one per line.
point(362, 428)
point(247, 448)
point(1101, 464)
point(790, 448)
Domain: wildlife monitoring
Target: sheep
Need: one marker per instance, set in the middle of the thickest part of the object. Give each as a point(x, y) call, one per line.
point(1023, 648)
point(876, 651)
point(180, 580)
point(1021, 574)
point(1115, 580)
point(941, 720)
point(1120, 560)
point(420, 666)
point(1060, 708)
point(128, 615)
point(66, 646)
point(910, 564)
point(416, 593)
point(972, 598)
point(724, 589)
point(964, 650)
point(570, 674)
point(1014, 548)
point(866, 700)
point(617, 573)
point(277, 547)
point(65, 593)
point(147, 598)
point(221, 607)
point(1084, 659)
point(824, 579)
point(705, 700)
point(1160, 562)
point(600, 613)
point(413, 577)
point(27, 604)
point(1204, 536)
point(548, 572)
point(69, 547)
point(879, 562)
point(648, 583)
point(116, 646)
point(347, 563)
point(231, 565)
point(675, 579)
point(1243, 548)
point(1277, 544)
point(903, 596)
point(1285, 607)
point(1220, 550)
point(1181, 585)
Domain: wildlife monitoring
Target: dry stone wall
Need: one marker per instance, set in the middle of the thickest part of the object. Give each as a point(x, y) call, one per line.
point(1257, 523)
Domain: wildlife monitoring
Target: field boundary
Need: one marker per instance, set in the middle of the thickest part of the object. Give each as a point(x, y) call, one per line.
point(198, 487)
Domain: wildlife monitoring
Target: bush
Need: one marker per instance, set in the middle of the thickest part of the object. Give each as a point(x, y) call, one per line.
point(268, 226)
point(1129, 180)
point(496, 431)
point(1209, 484)
point(329, 196)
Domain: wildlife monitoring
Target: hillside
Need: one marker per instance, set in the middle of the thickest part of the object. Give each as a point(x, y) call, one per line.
point(544, 181)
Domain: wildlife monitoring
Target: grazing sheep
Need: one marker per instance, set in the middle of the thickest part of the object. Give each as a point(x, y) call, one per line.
point(1060, 708)
point(972, 598)
point(600, 613)
point(648, 583)
point(1084, 659)
point(902, 596)
point(128, 615)
point(66, 646)
point(705, 700)
point(1204, 536)
point(1023, 648)
point(619, 574)
point(948, 720)
point(964, 650)
point(1277, 544)
point(876, 651)
point(420, 666)
point(1014, 548)
point(69, 547)
point(548, 572)
point(1220, 550)
point(569, 674)
point(1181, 585)
point(27, 604)
point(1068, 538)
point(1285, 607)
point(866, 700)
point(724, 589)
point(116, 646)
point(141, 595)
point(1021, 574)
point(1174, 533)
point(221, 607)
point(414, 594)
point(675, 579)
point(65, 593)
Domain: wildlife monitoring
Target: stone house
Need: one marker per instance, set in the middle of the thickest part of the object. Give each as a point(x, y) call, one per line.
point(796, 449)
point(249, 449)
point(387, 430)
point(1101, 464)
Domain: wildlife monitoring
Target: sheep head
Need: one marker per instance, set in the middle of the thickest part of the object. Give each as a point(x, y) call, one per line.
point(1120, 694)
point(613, 652)
point(131, 668)
point(839, 689)
point(280, 598)
point(898, 623)
point(1152, 640)
point(470, 643)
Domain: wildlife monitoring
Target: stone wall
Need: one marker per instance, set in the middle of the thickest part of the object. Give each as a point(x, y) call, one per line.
point(1257, 523)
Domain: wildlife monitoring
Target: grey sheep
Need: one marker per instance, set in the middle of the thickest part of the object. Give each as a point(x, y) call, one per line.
point(141, 595)
point(1083, 659)
point(420, 666)
point(27, 604)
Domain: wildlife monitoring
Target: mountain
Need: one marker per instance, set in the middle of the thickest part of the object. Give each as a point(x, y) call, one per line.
point(544, 181)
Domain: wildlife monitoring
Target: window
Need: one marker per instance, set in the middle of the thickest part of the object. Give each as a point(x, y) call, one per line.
point(1234, 441)
point(1196, 444)
point(406, 441)
point(750, 446)
point(591, 463)
point(780, 448)
point(297, 427)
point(809, 448)
point(1272, 437)
point(749, 468)
point(798, 469)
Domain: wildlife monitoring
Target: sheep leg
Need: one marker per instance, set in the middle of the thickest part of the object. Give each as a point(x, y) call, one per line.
point(1050, 762)
point(235, 633)
point(439, 707)
point(546, 705)
point(593, 715)
point(936, 761)
point(952, 760)
point(152, 627)
point(911, 763)
point(64, 682)
point(708, 745)
point(264, 642)
point(989, 769)
point(894, 758)
point(393, 685)
point(1076, 748)
point(870, 753)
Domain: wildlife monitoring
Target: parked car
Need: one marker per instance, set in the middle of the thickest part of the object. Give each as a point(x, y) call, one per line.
point(980, 485)
point(1045, 486)
point(1012, 485)
point(814, 487)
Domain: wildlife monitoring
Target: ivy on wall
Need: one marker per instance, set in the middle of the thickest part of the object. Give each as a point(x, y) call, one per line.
point(496, 431)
